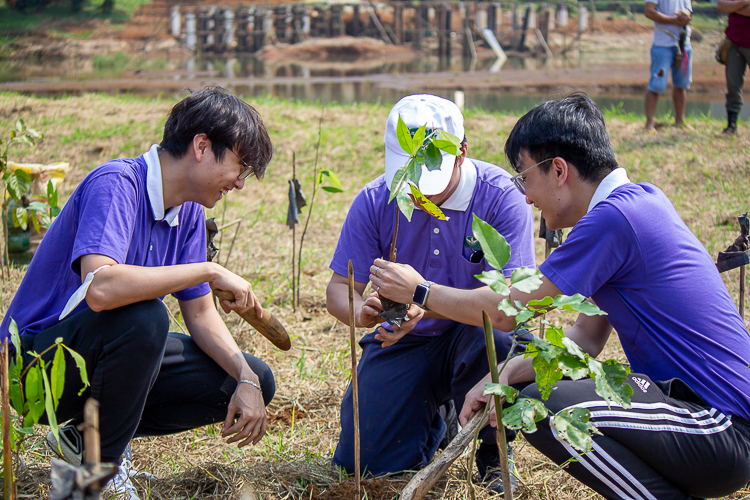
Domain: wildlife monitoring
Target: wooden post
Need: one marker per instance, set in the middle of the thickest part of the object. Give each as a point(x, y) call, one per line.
point(92, 453)
point(356, 22)
point(398, 23)
point(502, 445)
point(442, 33)
point(259, 34)
point(9, 486)
point(522, 38)
point(355, 387)
point(418, 28)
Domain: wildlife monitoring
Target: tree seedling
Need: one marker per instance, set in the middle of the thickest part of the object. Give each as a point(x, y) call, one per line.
point(423, 148)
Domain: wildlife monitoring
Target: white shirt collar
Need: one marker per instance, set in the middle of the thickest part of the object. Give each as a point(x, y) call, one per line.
point(614, 179)
point(155, 191)
point(461, 197)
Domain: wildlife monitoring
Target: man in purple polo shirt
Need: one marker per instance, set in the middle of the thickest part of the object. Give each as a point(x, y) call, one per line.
point(132, 232)
point(403, 379)
point(687, 433)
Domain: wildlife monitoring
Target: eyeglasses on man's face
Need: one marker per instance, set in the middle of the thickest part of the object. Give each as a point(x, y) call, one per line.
point(247, 171)
point(518, 179)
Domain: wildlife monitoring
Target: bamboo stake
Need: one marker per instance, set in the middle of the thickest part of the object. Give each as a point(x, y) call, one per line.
point(9, 490)
point(294, 237)
point(502, 445)
point(393, 241)
point(355, 387)
point(92, 453)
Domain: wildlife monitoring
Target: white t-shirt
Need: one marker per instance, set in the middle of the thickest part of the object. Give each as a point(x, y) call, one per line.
point(669, 7)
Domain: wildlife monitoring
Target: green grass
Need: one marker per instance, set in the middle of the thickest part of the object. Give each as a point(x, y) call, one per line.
point(14, 22)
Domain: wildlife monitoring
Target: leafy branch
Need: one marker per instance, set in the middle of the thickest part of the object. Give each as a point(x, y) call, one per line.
point(555, 356)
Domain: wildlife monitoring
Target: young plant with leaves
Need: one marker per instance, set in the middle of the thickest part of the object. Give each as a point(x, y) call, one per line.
point(35, 389)
point(423, 149)
point(24, 208)
point(555, 356)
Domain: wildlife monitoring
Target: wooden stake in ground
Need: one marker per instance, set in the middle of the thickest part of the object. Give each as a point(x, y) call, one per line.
point(355, 387)
point(502, 445)
point(9, 490)
point(425, 479)
point(92, 452)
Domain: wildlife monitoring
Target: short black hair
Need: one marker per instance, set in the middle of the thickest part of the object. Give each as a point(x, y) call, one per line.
point(571, 128)
point(229, 122)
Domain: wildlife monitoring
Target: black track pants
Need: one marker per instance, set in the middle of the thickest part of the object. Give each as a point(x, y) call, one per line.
point(669, 445)
point(148, 381)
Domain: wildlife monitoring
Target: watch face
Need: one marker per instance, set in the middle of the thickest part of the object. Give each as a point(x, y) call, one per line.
point(420, 294)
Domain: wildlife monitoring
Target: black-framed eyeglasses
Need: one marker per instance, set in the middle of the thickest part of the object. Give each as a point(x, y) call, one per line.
point(247, 171)
point(518, 180)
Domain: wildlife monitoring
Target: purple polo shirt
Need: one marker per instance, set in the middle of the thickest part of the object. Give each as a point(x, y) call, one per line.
point(438, 250)
point(110, 213)
point(633, 255)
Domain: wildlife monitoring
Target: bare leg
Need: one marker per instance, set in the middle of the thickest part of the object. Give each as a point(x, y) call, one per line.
point(679, 98)
point(652, 99)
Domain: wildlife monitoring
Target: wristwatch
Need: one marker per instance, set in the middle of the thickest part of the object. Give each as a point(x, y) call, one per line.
point(421, 293)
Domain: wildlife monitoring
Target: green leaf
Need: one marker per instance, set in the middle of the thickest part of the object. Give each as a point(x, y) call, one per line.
point(572, 366)
point(336, 183)
point(20, 125)
point(34, 133)
point(50, 189)
point(542, 303)
point(573, 348)
point(16, 340)
point(54, 211)
point(547, 373)
point(524, 316)
point(13, 185)
point(526, 279)
point(496, 249)
point(34, 393)
point(35, 222)
point(586, 308)
point(57, 375)
point(573, 427)
point(448, 143)
point(49, 406)
point(611, 378)
point(418, 141)
point(22, 176)
point(21, 218)
point(495, 280)
point(404, 136)
point(16, 396)
point(433, 160)
point(26, 140)
point(38, 206)
point(507, 308)
point(510, 394)
point(405, 204)
point(81, 364)
point(524, 414)
point(409, 172)
point(554, 335)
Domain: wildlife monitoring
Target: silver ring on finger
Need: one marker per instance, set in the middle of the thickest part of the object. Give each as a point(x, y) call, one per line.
point(377, 289)
point(376, 272)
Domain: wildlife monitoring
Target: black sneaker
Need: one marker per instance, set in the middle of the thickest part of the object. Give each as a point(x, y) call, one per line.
point(488, 466)
point(450, 417)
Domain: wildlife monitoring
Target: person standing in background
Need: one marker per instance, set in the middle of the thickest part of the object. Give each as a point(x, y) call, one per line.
point(738, 32)
point(670, 52)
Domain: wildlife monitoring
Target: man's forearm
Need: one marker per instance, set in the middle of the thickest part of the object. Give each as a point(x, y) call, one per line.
point(211, 334)
point(123, 284)
point(730, 6)
point(466, 306)
point(745, 11)
point(337, 298)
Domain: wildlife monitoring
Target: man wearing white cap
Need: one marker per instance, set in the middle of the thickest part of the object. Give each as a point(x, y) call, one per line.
point(405, 378)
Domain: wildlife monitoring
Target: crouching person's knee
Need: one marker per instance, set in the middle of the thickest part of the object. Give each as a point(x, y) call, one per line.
point(144, 323)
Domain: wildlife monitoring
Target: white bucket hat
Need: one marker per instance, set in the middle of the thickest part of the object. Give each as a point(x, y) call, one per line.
point(416, 111)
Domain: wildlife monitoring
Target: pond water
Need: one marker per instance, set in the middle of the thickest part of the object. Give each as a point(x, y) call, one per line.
point(343, 81)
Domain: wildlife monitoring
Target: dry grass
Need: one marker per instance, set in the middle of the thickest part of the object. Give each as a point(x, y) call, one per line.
point(702, 173)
